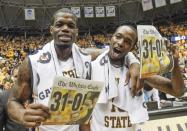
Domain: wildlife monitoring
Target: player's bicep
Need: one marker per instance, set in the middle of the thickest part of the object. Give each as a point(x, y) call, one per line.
point(22, 90)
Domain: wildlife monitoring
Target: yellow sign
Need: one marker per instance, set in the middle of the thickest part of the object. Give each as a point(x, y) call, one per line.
point(154, 57)
point(168, 124)
point(72, 100)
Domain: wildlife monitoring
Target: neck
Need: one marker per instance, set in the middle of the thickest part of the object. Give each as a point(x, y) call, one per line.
point(63, 52)
point(117, 63)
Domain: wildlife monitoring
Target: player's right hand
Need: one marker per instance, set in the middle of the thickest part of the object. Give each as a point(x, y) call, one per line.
point(34, 114)
point(136, 83)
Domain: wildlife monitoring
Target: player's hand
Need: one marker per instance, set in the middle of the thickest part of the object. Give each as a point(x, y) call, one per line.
point(84, 127)
point(173, 48)
point(34, 114)
point(133, 75)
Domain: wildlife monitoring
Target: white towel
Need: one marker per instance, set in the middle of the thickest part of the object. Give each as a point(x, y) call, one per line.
point(81, 62)
point(121, 94)
point(45, 66)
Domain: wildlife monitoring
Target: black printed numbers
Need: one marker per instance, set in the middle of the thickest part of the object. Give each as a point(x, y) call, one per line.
point(57, 97)
point(77, 101)
point(149, 48)
point(61, 100)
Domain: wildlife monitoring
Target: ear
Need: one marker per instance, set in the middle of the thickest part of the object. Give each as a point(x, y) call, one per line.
point(51, 30)
point(77, 32)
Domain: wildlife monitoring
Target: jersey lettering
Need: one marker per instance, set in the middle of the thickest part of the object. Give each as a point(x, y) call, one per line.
point(44, 94)
point(70, 73)
point(117, 121)
point(103, 60)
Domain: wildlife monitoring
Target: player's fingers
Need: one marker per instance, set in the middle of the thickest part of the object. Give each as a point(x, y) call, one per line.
point(37, 112)
point(38, 106)
point(35, 118)
point(127, 78)
point(133, 85)
point(140, 84)
point(31, 124)
point(174, 48)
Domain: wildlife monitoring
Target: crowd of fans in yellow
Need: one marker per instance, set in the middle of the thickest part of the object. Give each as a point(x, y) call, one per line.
point(173, 29)
point(14, 50)
point(97, 41)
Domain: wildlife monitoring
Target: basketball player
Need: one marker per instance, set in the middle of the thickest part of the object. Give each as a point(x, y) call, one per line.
point(35, 76)
point(116, 109)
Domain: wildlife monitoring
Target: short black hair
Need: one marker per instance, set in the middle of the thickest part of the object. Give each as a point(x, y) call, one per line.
point(64, 10)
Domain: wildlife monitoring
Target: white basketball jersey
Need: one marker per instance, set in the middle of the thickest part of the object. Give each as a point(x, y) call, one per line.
point(108, 117)
point(45, 75)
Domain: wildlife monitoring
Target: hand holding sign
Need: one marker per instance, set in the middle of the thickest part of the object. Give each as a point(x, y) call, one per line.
point(72, 100)
point(155, 59)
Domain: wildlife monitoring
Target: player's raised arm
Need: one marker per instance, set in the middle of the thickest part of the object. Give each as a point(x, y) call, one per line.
point(175, 86)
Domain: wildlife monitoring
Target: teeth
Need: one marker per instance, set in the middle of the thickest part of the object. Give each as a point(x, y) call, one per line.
point(63, 36)
point(116, 50)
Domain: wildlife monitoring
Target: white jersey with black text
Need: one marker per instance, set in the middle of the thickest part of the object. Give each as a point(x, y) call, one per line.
point(116, 109)
point(108, 117)
point(44, 69)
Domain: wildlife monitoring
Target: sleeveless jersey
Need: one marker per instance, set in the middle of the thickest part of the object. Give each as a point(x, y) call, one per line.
point(43, 71)
point(107, 116)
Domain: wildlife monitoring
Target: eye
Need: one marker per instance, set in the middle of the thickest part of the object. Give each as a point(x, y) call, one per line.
point(127, 41)
point(58, 25)
point(118, 36)
point(72, 26)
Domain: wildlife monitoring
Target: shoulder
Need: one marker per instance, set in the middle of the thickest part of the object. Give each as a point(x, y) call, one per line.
point(84, 55)
point(83, 52)
point(94, 52)
point(24, 70)
point(103, 55)
point(102, 59)
point(130, 58)
point(41, 56)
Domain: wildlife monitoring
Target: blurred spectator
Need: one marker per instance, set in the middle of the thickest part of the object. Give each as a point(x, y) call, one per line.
point(151, 94)
point(6, 124)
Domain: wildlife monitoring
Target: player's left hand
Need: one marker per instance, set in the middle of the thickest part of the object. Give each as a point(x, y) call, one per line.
point(133, 75)
point(172, 48)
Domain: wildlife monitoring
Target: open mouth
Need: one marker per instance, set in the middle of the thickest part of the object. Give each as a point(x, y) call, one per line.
point(117, 51)
point(64, 38)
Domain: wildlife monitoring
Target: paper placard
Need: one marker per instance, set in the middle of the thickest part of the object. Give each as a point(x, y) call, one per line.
point(154, 56)
point(72, 100)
